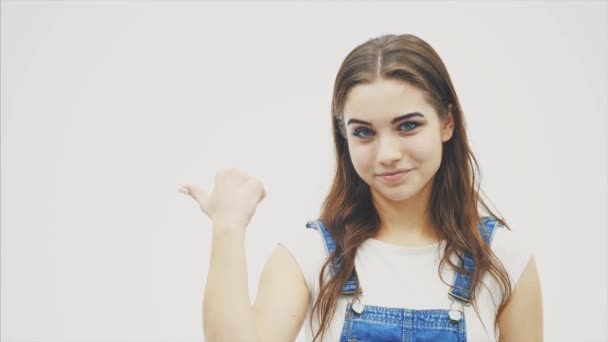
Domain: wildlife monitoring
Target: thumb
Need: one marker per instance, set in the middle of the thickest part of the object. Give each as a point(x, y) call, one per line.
point(198, 195)
point(264, 194)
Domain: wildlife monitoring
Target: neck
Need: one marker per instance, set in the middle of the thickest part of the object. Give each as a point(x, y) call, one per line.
point(407, 222)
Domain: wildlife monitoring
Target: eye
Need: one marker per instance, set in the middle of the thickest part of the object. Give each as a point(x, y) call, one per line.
point(409, 126)
point(357, 132)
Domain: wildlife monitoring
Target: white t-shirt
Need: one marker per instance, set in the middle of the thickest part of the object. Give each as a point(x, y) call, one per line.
point(407, 277)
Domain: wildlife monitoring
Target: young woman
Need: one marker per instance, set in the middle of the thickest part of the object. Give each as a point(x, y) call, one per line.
point(405, 249)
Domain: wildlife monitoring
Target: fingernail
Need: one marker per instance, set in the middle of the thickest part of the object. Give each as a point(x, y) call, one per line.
point(183, 190)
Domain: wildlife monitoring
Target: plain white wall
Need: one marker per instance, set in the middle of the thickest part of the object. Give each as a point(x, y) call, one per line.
point(108, 107)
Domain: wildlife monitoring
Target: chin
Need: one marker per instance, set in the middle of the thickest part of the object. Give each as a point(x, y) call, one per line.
point(396, 194)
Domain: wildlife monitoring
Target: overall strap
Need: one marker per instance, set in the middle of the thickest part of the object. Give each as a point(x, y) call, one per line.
point(461, 290)
point(350, 287)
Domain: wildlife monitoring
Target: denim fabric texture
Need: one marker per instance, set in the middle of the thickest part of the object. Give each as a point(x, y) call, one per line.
point(375, 323)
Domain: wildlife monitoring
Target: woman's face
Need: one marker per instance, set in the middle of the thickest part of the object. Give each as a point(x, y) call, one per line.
point(392, 127)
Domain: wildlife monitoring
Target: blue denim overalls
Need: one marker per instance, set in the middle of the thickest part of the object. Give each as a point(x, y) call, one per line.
point(375, 323)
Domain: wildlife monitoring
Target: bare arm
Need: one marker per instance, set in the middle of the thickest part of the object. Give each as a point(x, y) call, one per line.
point(227, 313)
point(283, 298)
point(522, 318)
point(281, 302)
point(282, 295)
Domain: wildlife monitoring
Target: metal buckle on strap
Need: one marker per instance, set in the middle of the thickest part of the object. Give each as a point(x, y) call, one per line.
point(463, 300)
point(456, 314)
point(347, 293)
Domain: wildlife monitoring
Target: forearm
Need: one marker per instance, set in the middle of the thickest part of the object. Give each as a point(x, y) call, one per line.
point(227, 311)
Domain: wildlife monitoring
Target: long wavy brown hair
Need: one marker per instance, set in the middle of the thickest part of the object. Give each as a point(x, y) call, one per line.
point(456, 203)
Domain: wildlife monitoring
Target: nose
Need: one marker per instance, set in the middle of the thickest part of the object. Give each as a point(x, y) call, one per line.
point(389, 150)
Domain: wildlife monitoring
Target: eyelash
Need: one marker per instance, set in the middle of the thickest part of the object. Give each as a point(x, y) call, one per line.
point(359, 130)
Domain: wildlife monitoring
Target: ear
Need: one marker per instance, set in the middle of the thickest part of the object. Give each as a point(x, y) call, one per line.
point(447, 126)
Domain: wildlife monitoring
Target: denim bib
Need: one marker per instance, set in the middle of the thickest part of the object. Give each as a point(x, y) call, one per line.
point(375, 323)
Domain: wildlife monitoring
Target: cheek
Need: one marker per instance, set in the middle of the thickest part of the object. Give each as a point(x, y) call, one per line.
point(424, 149)
point(362, 159)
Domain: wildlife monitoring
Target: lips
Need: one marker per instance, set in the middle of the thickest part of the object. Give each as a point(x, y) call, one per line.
point(394, 176)
point(390, 173)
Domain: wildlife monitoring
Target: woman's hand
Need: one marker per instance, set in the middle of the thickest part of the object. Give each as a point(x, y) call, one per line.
point(233, 201)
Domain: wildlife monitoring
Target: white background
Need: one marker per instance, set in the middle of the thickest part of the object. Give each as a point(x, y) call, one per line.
point(108, 107)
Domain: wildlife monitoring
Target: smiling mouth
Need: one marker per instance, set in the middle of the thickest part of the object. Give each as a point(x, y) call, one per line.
point(392, 173)
point(394, 177)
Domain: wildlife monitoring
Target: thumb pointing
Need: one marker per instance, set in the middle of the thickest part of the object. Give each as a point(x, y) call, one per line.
point(197, 194)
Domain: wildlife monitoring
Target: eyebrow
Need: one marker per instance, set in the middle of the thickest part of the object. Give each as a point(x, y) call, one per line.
point(399, 118)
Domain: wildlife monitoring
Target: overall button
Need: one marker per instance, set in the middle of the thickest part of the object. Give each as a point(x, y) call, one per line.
point(358, 308)
point(455, 315)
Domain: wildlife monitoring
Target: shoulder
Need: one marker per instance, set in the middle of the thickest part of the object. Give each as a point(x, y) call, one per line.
point(513, 248)
point(308, 249)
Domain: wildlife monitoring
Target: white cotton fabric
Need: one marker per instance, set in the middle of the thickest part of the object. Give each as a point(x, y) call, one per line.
point(408, 277)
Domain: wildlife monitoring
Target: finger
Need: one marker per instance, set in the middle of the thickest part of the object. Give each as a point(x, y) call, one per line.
point(198, 195)
point(263, 194)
